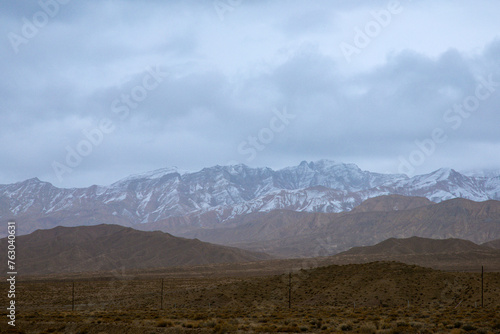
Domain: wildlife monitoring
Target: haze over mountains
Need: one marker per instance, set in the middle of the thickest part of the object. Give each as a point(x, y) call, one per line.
point(287, 233)
point(445, 254)
point(417, 245)
point(179, 202)
point(115, 248)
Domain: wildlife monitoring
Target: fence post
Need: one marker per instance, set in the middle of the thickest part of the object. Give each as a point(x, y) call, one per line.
point(161, 298)
point(73, 298)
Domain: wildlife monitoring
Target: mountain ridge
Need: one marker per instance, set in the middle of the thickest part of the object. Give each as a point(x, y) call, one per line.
point(416, 245)
point(303, 234)
point(215, 195)
point(113, 247)
point(450, 254)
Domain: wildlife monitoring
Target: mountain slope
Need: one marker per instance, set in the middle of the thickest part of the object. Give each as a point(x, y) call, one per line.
point(495, 244)
point(212, 197)
point(288, 233)
point(113, 247)
point(392, 203)
point(416, 245)
point(443, 254)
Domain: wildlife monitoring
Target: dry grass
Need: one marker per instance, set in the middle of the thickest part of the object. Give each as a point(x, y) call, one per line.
point(370, 298)
point(254, 319)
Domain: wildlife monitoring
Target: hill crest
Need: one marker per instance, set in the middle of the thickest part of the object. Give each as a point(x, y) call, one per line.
point(416, 245)
point(113, 247)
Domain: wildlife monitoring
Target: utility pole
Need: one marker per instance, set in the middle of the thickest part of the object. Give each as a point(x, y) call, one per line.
point(482, 286)
point(290, 290)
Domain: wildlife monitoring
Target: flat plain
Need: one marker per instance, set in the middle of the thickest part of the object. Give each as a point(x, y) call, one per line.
point(376, 297)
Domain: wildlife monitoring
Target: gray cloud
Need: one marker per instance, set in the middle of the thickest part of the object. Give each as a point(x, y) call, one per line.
point(224, 80)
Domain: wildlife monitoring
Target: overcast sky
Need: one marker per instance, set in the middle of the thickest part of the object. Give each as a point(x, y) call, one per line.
point(92, 91)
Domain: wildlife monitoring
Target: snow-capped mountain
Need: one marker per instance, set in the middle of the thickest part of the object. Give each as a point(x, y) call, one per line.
point(482, 173)
point(214, 195)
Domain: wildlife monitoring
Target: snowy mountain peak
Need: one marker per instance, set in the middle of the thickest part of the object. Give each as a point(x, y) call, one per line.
point(443, 174)
point(491, 173)
point(34, 183)
point(320, 165)
point(155, 174)
point(225, 192)
point(33, 180)
point(326, 164)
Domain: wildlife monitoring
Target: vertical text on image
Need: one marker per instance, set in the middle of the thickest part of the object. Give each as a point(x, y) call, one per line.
point(11, 273)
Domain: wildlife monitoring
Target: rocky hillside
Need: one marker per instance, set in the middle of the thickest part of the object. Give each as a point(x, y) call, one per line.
point(288, 233)
point(114, 248)
point(416, 245)
point(213, 196)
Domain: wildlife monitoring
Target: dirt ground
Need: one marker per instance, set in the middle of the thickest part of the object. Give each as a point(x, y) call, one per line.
point(380, 297)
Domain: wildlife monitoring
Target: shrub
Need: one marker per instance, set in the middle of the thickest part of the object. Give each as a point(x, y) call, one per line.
point(223, 327)
point(346, 327)
point(469, 328)
point(288, 329)
point(367, 330)
point(164, 324)
point(200, 316)
point(210, 324)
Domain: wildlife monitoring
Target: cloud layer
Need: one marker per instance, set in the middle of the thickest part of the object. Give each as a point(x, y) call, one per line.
point(131, 86)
